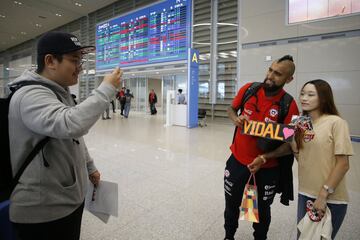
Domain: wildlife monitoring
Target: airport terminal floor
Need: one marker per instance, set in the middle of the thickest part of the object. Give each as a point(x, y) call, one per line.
point(171, 182)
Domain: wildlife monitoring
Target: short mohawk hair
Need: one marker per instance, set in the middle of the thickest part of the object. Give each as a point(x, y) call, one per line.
point(286, 58)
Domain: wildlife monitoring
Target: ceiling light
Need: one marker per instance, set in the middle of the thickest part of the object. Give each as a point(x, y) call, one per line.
point(78, 4)
point(23, 33)
point(17, 2)
point(2, 16)
point(38, 25)
point(58, 14)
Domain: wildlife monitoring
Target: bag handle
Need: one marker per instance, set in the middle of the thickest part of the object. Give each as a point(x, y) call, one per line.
point(252, 176)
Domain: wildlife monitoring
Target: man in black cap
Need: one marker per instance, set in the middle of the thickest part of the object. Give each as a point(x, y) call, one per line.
point(48, 201)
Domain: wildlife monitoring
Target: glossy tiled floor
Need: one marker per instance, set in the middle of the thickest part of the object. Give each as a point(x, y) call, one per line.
point(171, 183)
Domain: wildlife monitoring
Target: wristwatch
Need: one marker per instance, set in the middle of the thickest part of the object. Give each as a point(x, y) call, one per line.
point(328, 189)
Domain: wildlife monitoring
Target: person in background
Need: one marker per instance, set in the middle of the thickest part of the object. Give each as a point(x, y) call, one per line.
point(152, 102)
point(180, 97)
point(106, 114)
point(262, 106)
point(128, 97)
point(48, 201)
point(112, 102)
point(323, 155)
point(121, 97)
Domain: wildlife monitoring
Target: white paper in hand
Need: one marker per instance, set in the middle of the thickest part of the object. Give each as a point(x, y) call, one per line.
point(104, 199)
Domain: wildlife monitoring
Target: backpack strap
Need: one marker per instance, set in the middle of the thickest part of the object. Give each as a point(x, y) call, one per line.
point(284, 106)
point(251, 91)
point(28, 160)
point(16, 87)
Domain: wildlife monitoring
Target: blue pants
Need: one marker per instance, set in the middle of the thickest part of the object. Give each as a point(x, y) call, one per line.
point(338, 212)
point(127, 110)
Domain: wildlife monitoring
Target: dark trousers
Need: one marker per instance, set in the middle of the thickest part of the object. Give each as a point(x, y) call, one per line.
point(235, 177)
point(153, 108)
point(113, 105)
point(64, 228)
point(122, 107)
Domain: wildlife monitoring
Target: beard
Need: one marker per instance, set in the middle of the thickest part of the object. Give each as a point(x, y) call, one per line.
point(273, 88)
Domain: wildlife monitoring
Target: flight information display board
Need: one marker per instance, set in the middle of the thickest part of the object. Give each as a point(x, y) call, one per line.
point(159, 33)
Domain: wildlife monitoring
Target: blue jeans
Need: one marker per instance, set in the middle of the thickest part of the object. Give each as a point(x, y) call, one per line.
point(338, 212)
point(127, 110)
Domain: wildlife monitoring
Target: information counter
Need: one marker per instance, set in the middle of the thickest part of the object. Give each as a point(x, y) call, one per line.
point(178, 114)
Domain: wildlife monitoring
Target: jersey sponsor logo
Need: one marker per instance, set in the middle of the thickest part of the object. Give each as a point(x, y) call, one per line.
point(273, 112)
point(229, 183)
point(268, 187)
point(269, 120)
point(226, 173)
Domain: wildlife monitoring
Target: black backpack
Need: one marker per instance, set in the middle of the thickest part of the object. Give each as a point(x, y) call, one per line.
point(7, 181)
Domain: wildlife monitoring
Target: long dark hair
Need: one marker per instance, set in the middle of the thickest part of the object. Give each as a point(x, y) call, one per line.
point(326, 103)
point(326, 97)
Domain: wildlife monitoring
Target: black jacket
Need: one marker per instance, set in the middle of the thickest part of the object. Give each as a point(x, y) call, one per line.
point(286, 187)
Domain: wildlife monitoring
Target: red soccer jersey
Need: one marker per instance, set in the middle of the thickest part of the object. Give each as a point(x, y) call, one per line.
point(262, 109)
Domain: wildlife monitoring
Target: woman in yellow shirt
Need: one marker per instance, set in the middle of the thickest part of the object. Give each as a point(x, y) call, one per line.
point(323, 155)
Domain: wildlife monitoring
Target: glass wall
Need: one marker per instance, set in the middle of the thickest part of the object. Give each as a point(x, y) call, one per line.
point(201, 42)
point(138, 87)
point(226, 55)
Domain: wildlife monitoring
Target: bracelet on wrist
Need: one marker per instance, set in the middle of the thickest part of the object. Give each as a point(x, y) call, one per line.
point(262, 158)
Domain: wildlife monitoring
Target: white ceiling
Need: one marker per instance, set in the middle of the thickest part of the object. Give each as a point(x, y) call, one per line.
point(34, 17)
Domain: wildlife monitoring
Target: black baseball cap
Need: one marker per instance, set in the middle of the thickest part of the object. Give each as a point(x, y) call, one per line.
point(60, 43)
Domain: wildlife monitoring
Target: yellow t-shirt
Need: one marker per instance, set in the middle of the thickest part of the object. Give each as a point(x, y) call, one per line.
point(317, 157)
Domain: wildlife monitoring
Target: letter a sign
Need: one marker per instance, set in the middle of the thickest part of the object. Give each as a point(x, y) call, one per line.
point(194, 58)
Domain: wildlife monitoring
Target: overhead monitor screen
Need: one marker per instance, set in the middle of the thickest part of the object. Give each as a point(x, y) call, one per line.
point(159, 33)
point(311, 10)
